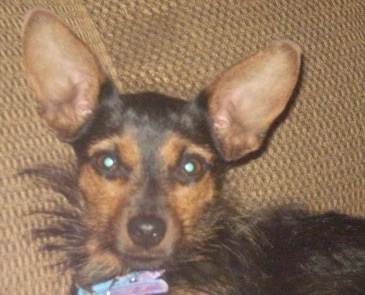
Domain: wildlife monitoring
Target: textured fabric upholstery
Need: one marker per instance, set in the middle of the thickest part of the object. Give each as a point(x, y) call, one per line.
point(314, 159)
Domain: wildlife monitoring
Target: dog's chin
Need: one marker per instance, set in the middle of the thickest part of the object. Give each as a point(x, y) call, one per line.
point(143, 262)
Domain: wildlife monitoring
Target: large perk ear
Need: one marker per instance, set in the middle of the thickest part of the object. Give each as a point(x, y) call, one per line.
point(245, 99)
point(64, 73)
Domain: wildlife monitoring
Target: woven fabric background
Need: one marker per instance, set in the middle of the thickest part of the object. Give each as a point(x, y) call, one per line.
point(314, 158)
point(24, 142)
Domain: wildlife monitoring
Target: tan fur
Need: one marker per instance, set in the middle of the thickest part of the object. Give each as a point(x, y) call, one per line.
point(242, 104)
point(121, 144)
point(106, 198)
point(187, 202)
point(111, 202)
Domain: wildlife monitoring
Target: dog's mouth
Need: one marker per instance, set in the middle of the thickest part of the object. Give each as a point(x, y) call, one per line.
point(143, 262)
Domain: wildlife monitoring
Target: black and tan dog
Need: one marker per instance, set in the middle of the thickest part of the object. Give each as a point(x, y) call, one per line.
point(145, 196)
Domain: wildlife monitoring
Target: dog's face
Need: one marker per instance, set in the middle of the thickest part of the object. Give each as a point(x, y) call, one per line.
point(146, 174)
point(147, 162)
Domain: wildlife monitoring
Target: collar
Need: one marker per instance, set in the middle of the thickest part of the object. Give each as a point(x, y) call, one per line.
point(136, 283)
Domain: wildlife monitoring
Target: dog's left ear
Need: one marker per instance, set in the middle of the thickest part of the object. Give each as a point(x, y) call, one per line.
point(245, 99)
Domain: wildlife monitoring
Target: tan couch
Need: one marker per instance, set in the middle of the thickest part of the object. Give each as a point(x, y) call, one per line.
point(315, 158)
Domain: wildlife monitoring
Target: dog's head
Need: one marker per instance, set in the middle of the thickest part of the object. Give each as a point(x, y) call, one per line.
point(147, 162)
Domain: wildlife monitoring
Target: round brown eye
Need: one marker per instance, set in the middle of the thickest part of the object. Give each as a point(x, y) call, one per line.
point(107, 161)
point(191, 168)
point(108, 165)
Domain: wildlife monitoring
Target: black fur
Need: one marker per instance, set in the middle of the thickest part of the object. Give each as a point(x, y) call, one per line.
point(278, 252)
point(208, 247)
point(152, 114)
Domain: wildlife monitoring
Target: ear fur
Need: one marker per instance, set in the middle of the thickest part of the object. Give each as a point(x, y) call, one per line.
point(64, 73)
point(245, 99)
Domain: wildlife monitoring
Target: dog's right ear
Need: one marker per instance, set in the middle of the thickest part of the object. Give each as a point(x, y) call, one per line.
point(64, 73)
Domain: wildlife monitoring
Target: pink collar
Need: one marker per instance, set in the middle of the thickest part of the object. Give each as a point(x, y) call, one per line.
point(136, 283)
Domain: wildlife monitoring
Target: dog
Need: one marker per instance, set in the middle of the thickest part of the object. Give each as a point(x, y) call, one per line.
point(144, 213)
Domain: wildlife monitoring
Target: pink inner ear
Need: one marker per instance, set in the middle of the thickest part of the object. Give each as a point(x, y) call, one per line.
point(223, 117)
point(80, 88)
point(239, 106)
point(63, 71)
point(71, 91)
point(246, 99)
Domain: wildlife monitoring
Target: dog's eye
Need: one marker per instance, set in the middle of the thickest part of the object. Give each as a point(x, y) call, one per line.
point(191, 168)
point(108, 165)
point(107, 162)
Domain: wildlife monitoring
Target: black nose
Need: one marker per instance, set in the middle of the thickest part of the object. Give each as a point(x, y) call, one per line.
point(146, 231)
